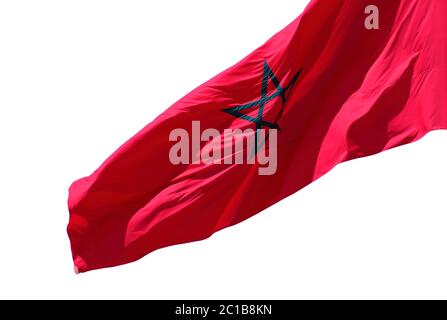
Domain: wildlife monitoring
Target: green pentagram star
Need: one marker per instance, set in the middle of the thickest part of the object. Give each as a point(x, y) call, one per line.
point(264, 99)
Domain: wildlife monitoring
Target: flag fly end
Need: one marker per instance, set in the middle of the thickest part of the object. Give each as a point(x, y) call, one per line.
point(75, 269)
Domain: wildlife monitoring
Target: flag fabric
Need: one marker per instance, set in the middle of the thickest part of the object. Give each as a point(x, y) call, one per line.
point(340, 82)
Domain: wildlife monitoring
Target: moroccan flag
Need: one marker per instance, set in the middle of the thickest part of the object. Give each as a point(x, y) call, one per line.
point(346, 79)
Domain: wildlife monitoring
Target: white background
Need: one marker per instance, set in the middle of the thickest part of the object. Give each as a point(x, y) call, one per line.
point(78, 78)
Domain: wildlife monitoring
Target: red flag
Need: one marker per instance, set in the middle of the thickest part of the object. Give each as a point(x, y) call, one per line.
point(344, 80)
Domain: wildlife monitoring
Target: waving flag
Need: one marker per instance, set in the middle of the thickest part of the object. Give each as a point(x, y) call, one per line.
point(344, 80)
